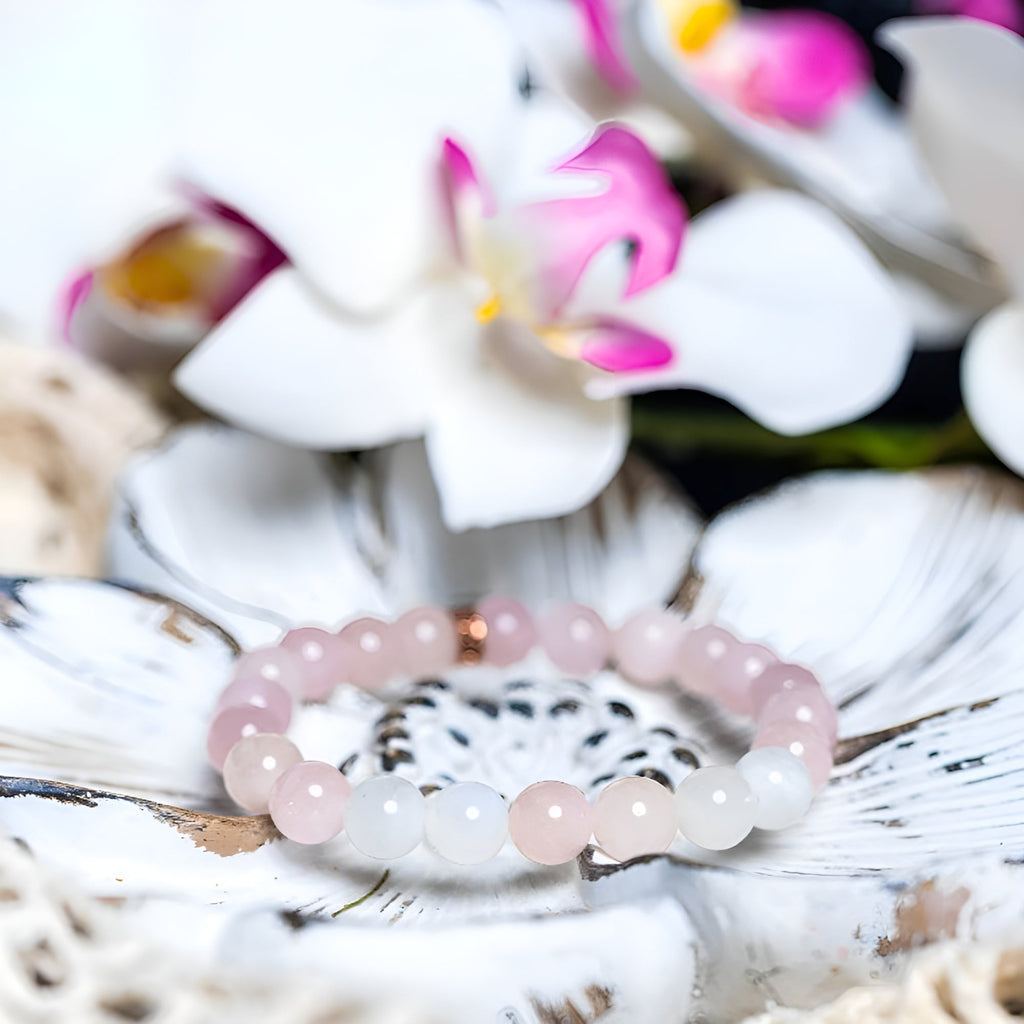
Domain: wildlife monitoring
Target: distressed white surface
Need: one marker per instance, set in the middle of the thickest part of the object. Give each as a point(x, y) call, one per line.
point(902, 591)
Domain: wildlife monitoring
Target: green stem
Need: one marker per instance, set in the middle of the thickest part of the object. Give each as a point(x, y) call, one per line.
point(893, 446)
point(366, 895)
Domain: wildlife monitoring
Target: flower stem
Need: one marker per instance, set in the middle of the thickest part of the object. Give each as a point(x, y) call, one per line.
point(891, 446)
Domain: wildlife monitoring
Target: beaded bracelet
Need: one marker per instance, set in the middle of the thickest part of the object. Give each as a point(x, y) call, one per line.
point(550, 822)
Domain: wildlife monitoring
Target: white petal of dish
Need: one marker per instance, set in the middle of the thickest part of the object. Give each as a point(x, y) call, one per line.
point(331, 540)
point(992, 380)
point(776, 306)
point(288, 364)
point(512, 434)
point(862, 165)
point(86, 130)
point(966, 109)
point(906, 596)
point(324, 126)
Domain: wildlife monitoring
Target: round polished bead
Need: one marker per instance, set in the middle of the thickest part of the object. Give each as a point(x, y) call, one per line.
point(257, 692)
point(735, 675)
point(307, 802)
point(803, 741)
point(702, 654)
point(511, 633)
point(235, 723)
point(715, 807)
point(550, 822)
point(781, 785)
point(372, 658)
point(646, 646)
point(634, 816)
point(384, 817)
point(323, 658)
point(466, 823)
point(780, 678)
point(277, 664)
point(575, 638)
point(253, 766)
point(426, 642)
point(807, 704)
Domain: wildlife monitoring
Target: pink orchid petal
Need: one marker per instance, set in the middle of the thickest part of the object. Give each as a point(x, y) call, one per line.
point(796, 66)
point(807, 64)
point(604, 47)
point(258, 254)
point(1004, 13)
point(639, 206)
point(464, 180)
point(72, 294)
point(621, 348)
point(468, 194)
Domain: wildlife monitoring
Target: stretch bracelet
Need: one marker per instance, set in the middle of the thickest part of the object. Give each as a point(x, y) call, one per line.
point(550, 822)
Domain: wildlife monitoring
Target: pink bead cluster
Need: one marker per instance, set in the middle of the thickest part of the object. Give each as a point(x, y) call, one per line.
point(550, 822)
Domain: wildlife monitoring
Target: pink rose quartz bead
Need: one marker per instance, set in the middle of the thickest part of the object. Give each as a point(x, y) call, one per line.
point(633, 817)
point(646, 646)
point(372, 657)
point(550, 822)
point(702, 654)
point(511, 634)
point(737, 672)
point(803, 741)
point(274, 663)
point(257, 692)
point(575, 638)
point(233, 724)
point(323, 658)
point(780, 678)
point(805, 704)
point(426, 641)
point(307, 802)
point(253, 766)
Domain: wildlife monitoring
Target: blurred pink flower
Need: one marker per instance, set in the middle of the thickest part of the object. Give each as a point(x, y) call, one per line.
point(793, 66)
point(1005, 13)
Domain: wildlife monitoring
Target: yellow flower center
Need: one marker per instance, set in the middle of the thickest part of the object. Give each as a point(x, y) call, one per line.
point(170, 267)
point(489, 309)
point(694, 25)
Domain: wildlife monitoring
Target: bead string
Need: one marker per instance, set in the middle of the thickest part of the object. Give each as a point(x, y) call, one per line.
point(550, 822)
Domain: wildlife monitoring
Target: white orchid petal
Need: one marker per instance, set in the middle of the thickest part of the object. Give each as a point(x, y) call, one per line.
point(553, 33)
point(288, 365)
point(966, 108)
point(777, 307)
point(335, 151)
point(992, 379)
point(85, 136)
point(514, 437)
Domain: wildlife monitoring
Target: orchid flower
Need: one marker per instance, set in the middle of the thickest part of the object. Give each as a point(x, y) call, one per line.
point(565, 295)
point(966, 106)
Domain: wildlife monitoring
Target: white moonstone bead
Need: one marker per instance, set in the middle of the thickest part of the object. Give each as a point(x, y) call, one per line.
point(384, 817)
point(781, 783)
point(716, 807)
point(466, 823)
